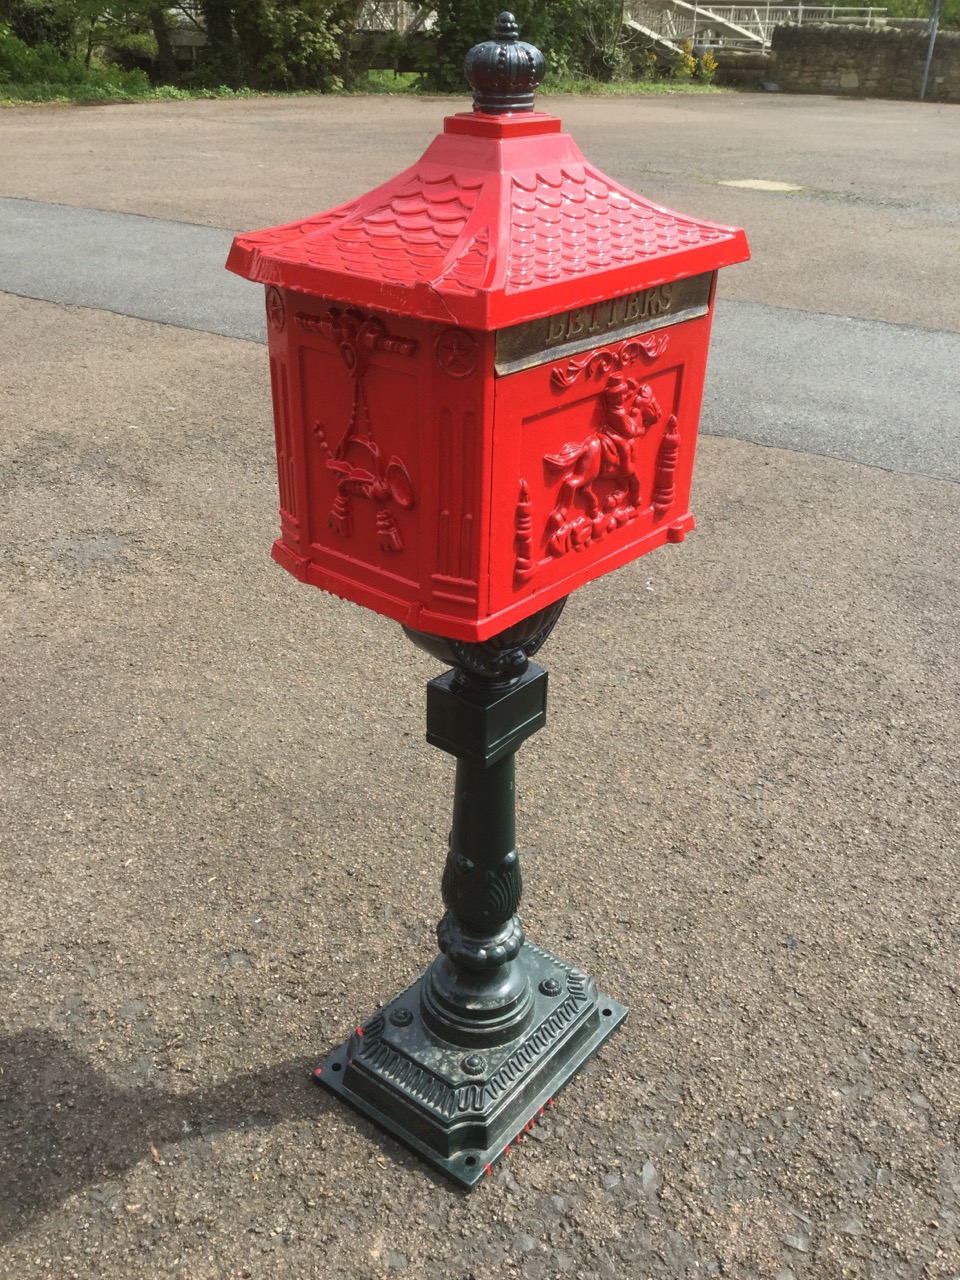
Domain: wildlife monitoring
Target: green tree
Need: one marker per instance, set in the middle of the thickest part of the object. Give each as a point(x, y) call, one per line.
point(949, 15)
point(603, 51)
point(276, 44)
point(42, 22)
point(79, 27)
point(460, 24)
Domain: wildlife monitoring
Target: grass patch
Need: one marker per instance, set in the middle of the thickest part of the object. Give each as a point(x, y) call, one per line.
point(39, 76)
point(38, 73)
point(94, 91)
point(12, 95)
point(389, 82)
point(556, 85)
point(583, 86)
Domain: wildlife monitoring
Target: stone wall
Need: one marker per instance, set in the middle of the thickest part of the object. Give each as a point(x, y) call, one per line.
point(883, 63)
point(742, 68)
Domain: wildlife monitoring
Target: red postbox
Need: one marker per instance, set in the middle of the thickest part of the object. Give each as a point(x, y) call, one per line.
point(487, 377)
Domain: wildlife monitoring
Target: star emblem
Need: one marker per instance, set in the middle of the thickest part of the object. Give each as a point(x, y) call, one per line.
point(457, 352)
point(275, 311)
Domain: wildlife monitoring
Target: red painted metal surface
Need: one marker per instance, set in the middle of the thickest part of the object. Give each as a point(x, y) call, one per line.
point(501, 220)
point(442, 459)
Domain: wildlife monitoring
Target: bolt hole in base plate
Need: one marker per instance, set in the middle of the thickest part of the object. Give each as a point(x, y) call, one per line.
point(374, 1076)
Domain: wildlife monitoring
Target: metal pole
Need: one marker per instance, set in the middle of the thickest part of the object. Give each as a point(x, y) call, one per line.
point(935, 7)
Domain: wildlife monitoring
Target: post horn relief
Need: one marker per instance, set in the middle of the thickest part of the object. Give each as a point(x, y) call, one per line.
point(361, 468)
point(601, 488)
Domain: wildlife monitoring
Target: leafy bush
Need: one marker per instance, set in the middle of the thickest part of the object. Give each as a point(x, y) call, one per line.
point(45, 22)
point(949, 15)
point(303, 47)
point(643, 63)
point(686, 64)
point(707, 67)
point(385, 81)
point(39, 74)
point(21, 63)
point(604, 48)
point(276, 44)
point(125, 47)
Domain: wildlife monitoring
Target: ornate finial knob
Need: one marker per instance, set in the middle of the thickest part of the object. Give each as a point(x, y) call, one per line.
point(504, 72)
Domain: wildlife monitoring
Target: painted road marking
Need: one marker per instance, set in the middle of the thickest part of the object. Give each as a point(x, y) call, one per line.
point(760, 184)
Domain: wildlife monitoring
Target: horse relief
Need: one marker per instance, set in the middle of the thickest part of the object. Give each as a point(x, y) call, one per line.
point(608, 456)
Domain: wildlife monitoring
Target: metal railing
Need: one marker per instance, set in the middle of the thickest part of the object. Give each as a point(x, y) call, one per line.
point(402, 16)
point(739, 25)
point(667, 21)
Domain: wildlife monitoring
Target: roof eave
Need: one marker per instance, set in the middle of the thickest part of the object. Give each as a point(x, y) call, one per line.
point(485, 310)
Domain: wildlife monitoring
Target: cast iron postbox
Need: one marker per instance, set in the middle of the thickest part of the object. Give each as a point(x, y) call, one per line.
point(487, 377)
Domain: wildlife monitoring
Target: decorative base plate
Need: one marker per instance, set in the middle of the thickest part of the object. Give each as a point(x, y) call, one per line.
point(460, 1107)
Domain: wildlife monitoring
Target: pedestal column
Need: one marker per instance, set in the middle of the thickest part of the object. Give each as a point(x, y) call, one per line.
point(461, 1063)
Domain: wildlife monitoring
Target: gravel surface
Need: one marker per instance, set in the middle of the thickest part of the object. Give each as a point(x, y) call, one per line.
point(223, 835)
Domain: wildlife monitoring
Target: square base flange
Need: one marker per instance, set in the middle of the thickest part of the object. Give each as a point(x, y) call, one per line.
point(461, 1107)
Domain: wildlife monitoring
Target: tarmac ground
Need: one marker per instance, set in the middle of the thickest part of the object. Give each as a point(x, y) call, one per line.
point(223, 831)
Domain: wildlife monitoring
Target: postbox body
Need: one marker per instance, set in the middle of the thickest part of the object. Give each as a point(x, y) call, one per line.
point(487, 377)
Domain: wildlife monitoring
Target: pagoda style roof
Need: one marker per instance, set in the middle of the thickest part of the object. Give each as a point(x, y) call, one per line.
point(501, 220)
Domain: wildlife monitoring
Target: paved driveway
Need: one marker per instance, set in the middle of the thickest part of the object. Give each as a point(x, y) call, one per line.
point(223, 832)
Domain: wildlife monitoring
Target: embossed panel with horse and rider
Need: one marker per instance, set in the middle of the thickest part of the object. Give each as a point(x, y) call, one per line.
point(600, 459)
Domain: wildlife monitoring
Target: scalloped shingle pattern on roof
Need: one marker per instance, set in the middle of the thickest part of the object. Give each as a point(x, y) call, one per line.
point(569, 221)
point(284, 241)
point(469, 268)
point(561, 224)
point(405, 240)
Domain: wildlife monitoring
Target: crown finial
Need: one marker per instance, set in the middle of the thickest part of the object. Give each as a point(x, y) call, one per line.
point(504, 72)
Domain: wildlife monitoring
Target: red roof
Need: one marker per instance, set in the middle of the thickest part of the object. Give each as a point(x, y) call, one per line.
point(501, 220)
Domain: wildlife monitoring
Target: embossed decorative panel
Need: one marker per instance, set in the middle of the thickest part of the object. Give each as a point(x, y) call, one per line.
point(598, 460)
point(359, 455)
